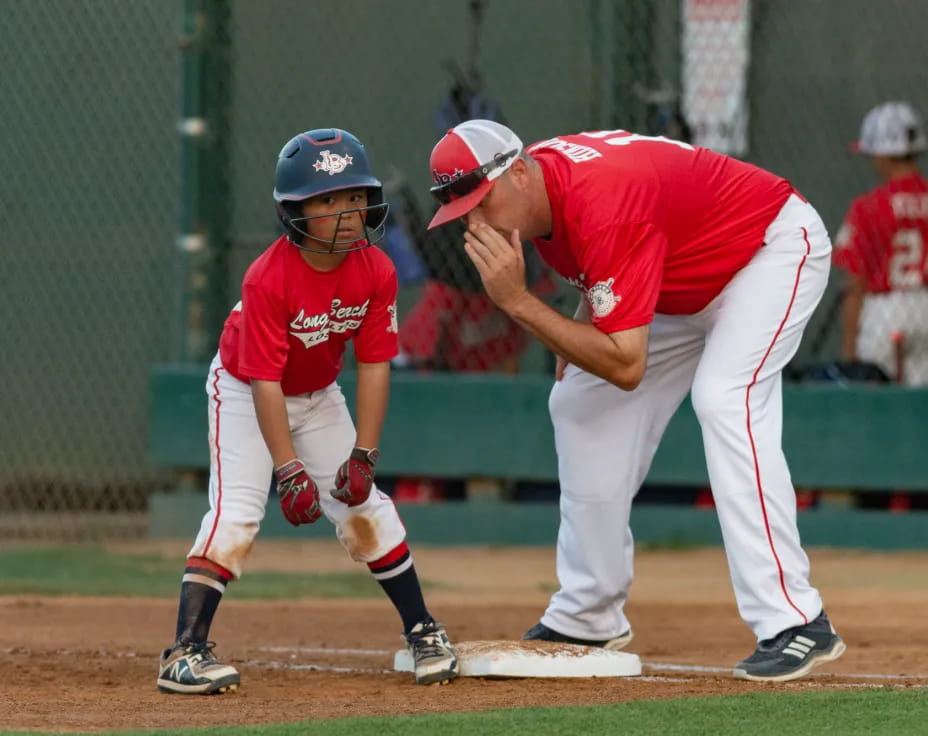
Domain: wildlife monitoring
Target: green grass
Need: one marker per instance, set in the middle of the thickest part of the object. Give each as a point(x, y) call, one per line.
point(842, 713)
point(94, 571)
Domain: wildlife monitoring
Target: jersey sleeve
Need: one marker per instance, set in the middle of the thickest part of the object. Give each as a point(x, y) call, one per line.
point(851, 245)
point(263, 336)
point(376, 339)
point(623, 266)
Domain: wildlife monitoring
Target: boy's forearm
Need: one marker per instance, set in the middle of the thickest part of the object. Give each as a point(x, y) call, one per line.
point(371, 406)
point(271, 410)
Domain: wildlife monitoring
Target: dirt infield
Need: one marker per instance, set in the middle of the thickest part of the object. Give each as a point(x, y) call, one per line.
point(90, 664)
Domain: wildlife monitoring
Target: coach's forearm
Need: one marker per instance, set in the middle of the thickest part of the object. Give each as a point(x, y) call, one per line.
point(579, 343)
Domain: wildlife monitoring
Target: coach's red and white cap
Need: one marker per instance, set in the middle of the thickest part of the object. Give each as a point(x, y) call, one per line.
point(465, 148)
point(891, 129)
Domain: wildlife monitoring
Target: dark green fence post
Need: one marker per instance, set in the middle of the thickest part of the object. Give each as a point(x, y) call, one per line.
point(203, 238)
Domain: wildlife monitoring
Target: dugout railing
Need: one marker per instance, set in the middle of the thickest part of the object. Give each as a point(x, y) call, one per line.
point(840, 439)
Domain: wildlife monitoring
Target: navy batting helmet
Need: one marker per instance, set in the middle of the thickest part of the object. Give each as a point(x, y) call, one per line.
point(321, 161)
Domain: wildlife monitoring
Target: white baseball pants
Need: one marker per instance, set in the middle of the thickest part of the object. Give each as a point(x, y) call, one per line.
point(730, 357)
point(904, 313)
point(241, 469)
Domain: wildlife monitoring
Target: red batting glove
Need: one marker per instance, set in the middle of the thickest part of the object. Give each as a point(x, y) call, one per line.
point(355, 477)
point(299, 496)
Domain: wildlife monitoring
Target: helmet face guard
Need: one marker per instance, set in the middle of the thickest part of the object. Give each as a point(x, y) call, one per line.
point(373, 222)
point(322, 161)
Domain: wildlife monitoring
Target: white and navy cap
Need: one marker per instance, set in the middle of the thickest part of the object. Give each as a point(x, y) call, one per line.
point(891, 129)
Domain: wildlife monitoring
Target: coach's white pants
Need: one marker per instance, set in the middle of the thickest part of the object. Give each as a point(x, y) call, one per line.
point(730, 356)
point(241, 470)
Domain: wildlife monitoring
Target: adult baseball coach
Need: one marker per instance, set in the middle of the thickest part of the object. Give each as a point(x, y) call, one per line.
point(698, 273)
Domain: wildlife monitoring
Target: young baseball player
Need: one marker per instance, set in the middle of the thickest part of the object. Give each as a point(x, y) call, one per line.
point(276, 410)
point(697, 275)
point(882, 249)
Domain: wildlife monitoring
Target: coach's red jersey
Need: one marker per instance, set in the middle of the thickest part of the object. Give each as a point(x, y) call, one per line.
point(647, 225)
point(883, 237)
point(293, 321)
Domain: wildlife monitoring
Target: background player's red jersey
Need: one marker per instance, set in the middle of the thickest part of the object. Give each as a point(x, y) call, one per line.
point(293, 322)
point(648, 225)
point(883, 237)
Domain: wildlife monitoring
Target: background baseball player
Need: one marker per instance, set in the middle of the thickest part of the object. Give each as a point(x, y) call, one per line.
point(275, 408)
point(882, 249)
point(697, 274)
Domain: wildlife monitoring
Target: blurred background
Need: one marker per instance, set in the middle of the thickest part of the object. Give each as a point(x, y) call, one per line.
point(139, 145)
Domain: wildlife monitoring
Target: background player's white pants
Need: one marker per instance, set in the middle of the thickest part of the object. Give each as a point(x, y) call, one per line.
point(241, 469)
point(730, 356)
point(902, 312)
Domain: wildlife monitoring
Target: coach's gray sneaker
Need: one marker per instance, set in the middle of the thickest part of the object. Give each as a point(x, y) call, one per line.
point(435, 660)
point(192, 669)
point(540, 632)
point(792, 653)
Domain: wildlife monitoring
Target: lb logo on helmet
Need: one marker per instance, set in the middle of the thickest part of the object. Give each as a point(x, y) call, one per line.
point(602, 298)
point(333, 163)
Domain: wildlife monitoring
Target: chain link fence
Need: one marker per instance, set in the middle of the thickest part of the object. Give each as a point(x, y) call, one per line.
point(88, 196)
point(398, 75)
point(97, 190)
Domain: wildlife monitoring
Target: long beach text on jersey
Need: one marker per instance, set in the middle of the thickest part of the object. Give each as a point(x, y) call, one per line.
point(315, 329)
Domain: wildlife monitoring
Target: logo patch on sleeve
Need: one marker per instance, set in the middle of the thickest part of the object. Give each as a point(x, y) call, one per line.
point(602, 298)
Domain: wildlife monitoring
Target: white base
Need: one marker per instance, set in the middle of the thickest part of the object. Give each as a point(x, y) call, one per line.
point(533, 659)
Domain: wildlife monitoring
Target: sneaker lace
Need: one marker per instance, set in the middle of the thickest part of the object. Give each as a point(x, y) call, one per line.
point(427, 643)
point(202, 652)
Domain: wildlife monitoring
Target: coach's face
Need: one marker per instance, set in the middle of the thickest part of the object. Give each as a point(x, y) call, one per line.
point(506, 207)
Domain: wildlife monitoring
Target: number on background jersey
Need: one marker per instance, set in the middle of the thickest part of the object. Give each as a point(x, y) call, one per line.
point(624, 138)
point(906, 261)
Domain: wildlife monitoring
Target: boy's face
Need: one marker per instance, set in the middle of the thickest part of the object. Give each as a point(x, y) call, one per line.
point(330, 222)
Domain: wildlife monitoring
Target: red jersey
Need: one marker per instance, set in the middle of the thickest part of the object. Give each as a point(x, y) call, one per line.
point(293, 322)
point(883, 237)
point(647, 225)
